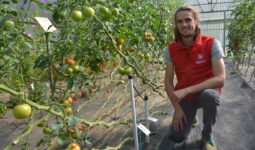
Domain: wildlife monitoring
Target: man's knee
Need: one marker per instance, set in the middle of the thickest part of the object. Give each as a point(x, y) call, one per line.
point(177, 136)
point(210, 97)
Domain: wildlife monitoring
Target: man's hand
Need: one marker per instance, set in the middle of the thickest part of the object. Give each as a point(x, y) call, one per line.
point(179, 119)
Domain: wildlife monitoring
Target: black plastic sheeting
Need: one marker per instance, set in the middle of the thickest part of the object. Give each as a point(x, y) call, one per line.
point(235, 126)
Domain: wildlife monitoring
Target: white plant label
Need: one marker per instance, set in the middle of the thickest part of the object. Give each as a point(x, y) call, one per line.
point(32, 86)
point(45, 24)
point(47, 85)
point(144, 129)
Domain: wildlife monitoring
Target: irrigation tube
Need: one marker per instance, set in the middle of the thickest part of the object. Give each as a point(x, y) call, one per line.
point(133, 111)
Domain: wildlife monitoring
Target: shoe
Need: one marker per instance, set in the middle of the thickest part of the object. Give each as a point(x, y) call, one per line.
point(195, 122)
point(209, 144)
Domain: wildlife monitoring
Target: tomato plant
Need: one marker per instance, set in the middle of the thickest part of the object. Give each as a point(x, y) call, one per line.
point(94, 40)
point(241, 43)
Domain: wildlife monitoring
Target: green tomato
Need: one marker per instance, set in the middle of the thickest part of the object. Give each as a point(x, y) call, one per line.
point(42, 123)
point(151, 39)
point(141, 55)
point(21, 111)
point(75, 135)
point(115, 12)
point(69, 110)
point(119, 41)
point(76, 15)
point(76, 68)
point(8, 24)
point(128, 70)
point(47, 130)
point(62, 14)
point(69, 42)
point(69, 70)
point(88, 12)
point(121, 82)
point(121, 70)
point(3, 108)
point(147, 56)
point(104, 10)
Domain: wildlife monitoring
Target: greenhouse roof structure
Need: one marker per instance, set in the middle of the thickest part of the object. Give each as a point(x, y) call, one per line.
point(214, 17)
point(211, 6)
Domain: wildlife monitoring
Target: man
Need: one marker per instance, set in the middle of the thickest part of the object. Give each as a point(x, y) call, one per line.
point(197, 61)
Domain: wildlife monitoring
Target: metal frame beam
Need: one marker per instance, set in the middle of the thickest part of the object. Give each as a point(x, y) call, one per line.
point(215, 20)
point(210, 3)
point(216, 11)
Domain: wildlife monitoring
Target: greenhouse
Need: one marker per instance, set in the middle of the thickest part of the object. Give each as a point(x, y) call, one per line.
point(127, 74)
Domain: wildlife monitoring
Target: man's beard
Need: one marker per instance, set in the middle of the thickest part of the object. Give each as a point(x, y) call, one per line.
point(188, 35)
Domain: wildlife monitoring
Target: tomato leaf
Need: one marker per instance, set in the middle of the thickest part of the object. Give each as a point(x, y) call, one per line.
point(57, 126)
point(94, 67)
point(6, 57)
point(44, 140)
point(5, 2)
point(88, 142)
point(28, 45)
point(41, 62)
point(70, 82)
point(73, 120)
point(14, 13)
point(62, 136)
point(16, 60)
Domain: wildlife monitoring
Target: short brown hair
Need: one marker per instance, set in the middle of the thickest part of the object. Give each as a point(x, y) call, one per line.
point(195, 13)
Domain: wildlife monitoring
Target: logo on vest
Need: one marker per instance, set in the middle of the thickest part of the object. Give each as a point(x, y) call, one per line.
point(200, 58)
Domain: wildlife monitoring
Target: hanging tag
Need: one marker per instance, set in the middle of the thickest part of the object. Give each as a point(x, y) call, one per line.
point(32, 86)
point(143, 129)
point(46, 24)
point(152, 119)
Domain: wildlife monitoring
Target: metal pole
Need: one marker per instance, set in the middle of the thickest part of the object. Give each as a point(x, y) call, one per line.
point(224, 33)
point(50, 69)
point(147, 124)
point(133, 111)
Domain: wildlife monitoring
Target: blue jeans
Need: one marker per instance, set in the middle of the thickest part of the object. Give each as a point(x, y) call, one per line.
point(208, 100)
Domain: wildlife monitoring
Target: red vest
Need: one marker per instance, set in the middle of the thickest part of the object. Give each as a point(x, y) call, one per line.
point(192, 65)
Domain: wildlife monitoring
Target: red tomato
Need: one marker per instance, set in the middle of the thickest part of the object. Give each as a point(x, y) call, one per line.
point(69, 100)
point(80, 127)
point(83, 93)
